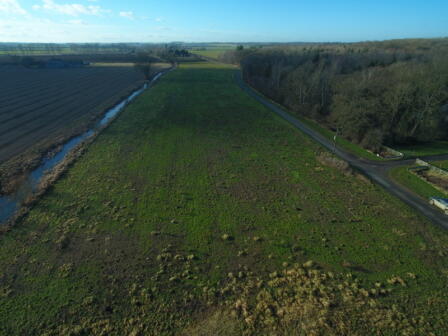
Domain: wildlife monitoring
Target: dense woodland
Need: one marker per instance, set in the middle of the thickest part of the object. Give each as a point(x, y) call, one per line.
point(379, 93)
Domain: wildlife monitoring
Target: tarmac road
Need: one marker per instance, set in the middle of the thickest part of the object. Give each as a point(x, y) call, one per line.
point(377, 171)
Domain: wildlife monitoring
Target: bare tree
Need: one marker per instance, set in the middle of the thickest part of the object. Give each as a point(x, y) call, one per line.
point(144, 64)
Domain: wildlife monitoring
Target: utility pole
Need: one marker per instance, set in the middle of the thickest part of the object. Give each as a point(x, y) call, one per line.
point(335, 138)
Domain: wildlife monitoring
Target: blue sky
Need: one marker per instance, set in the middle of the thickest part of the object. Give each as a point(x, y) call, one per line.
point(219, 21)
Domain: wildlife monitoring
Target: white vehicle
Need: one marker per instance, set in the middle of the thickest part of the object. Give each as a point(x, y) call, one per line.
point(441, 203)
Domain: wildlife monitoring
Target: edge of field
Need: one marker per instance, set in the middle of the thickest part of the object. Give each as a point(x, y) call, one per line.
point(14, 170)
point(412, 182)
point(53, 176)
point(314, 222)
point(345, 144)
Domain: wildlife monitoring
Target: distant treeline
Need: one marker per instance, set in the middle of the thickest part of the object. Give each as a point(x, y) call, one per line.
point(42, 62)
point(58, 49)
point(30, 49)
point(53, 55)
point(393, 92)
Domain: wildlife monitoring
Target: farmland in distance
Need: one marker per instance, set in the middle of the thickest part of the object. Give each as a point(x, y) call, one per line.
point(41, 108)
point(198, 200)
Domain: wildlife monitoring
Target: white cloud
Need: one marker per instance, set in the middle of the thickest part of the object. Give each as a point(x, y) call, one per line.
point(159, 19)
point(11, 7)
point(37, 30)
point(163, 28)
point(34, 29)
point(70, 9)
point(127, 15)
point(44, 30)
point(76, 22)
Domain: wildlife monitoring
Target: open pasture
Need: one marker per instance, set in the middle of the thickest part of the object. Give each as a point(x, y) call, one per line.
point(195, 190)
point(211, 53)
point(441, 164)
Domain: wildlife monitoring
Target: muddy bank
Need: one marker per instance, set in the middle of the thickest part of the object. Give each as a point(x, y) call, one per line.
point(37, 181)
point(14, 171)
point(14, 167)
point(47, 181)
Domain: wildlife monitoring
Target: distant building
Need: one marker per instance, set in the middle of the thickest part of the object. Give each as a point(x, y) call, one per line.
point(441, 203)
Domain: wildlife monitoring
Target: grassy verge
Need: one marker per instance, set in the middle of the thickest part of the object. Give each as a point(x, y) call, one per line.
point(106, 64)
point(341, 142)
point(441, 164)
point(155, 66)
point(194, 190)
point(411, 181)
point(424, 149)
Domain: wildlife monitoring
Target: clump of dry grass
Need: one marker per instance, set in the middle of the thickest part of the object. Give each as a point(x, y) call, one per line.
point(302, 300)
point(65, 269)
point(296, 300)
point(226, 237)
point(329, 160)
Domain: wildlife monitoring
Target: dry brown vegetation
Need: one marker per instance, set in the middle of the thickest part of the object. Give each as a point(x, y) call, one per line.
point(298, 300)
point(438, 181)
point(329, 160)
point(303, 300)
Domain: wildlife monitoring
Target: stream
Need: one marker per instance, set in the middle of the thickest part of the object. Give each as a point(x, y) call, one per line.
point(10, 204)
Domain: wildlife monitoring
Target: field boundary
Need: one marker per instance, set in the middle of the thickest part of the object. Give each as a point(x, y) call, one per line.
point(326, 133)
point(14, 168)
point(376, 171)
point(52, 176)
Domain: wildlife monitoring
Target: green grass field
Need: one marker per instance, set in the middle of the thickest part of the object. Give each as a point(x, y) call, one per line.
point(105, 64)
point(441, 164)
point(32, 52)
point(411, 181)
point(432, 148)
point(194, 180)
point(213, 52)
point(340, 141)
point(44, 49)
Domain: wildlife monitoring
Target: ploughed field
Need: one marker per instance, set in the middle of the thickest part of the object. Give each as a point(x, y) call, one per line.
point(41, 104)
point(200, 212)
